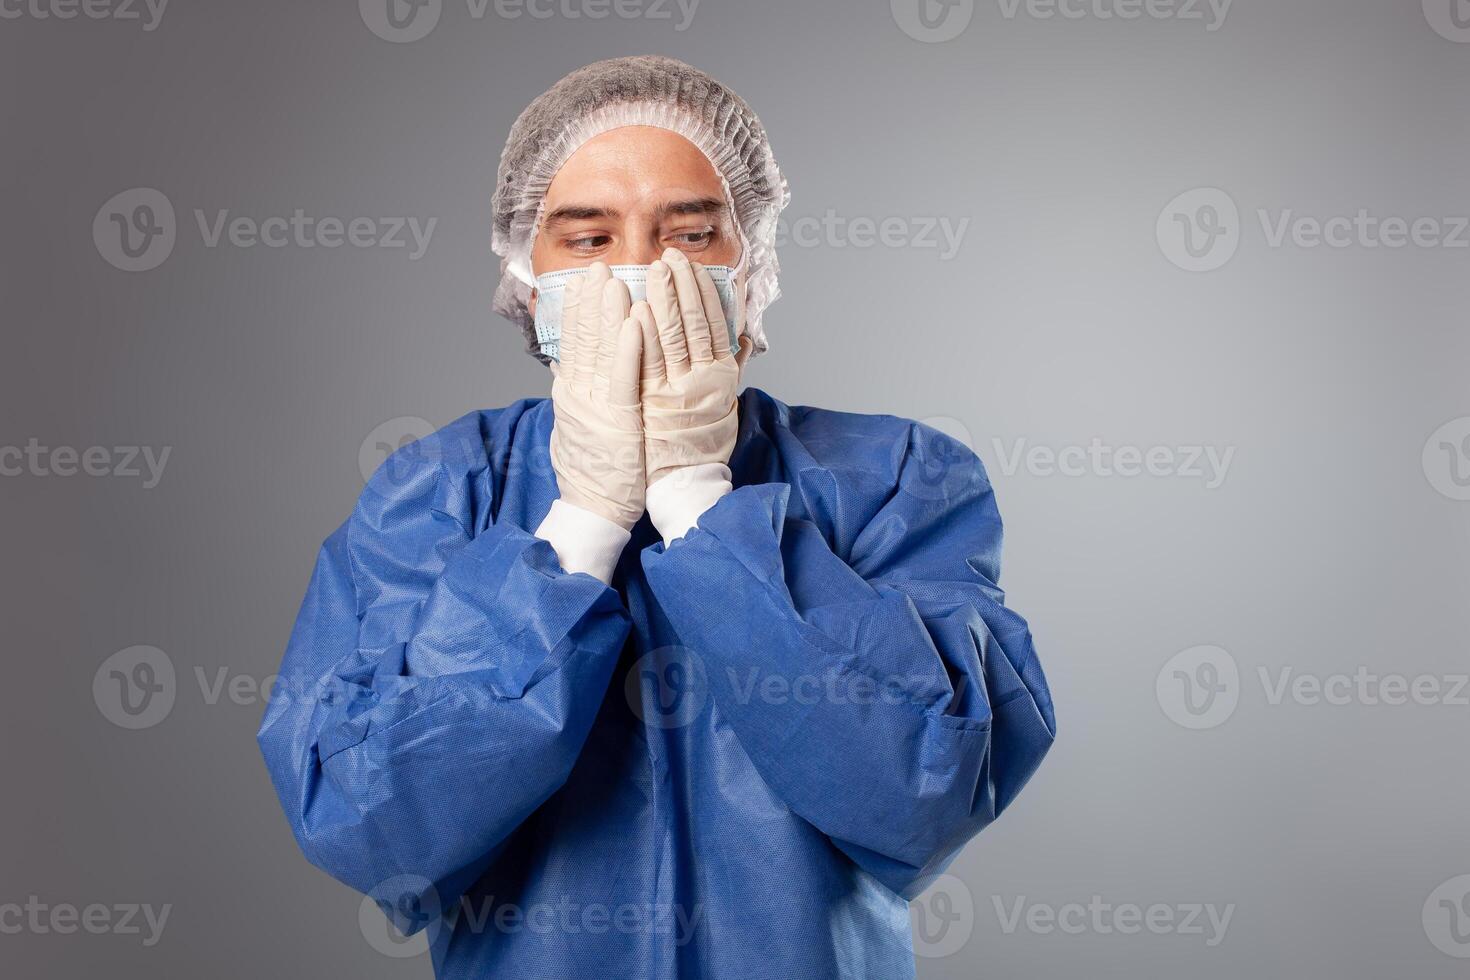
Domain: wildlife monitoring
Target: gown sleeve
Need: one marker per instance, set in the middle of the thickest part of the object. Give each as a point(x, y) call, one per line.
point(437, 688)
point(886, 694)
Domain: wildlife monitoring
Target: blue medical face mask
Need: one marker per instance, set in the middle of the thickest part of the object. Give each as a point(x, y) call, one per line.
point(551, 295)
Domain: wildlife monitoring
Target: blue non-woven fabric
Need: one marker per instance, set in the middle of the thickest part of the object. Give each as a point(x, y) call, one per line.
point(738, 761)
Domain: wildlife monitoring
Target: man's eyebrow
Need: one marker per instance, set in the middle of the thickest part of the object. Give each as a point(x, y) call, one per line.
point(698, 205)
point(578, 212)
point(592, 212)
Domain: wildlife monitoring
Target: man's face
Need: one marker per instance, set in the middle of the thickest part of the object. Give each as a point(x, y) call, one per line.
point(629, 194)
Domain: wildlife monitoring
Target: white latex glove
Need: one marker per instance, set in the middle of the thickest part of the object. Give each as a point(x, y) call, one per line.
point(689, 383)
point(597, 438)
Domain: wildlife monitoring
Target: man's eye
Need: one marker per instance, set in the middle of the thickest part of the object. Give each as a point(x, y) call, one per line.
point(588, 243)
point(693, 239)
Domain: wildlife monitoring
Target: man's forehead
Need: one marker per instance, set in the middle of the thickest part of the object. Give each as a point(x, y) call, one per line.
point(630, 164)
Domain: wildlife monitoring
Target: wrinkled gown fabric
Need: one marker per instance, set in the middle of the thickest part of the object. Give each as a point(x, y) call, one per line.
point(738, 761)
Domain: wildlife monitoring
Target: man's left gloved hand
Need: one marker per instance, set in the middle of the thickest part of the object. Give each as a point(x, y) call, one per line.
point(689, 383)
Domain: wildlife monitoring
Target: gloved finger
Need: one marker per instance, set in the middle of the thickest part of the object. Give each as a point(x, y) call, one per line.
point(653, 354)
point(589, 323)
point(743, 355)
point(714, 312)
point(571, 297)
point(664, 300)
point(626, 363)
point(616, 305)
point(691, 307)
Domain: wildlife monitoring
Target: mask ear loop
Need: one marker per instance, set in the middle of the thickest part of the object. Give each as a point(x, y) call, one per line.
point(530, 253)
point(531, 242)
point(737, 273)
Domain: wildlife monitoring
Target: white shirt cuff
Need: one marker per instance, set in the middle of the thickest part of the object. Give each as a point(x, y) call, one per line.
point(675, 502)
point(583, 541)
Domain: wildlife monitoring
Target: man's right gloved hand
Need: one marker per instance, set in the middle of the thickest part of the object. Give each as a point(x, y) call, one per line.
point(597, 440)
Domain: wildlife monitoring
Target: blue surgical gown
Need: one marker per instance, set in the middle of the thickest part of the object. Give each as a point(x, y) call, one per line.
point(738, 762)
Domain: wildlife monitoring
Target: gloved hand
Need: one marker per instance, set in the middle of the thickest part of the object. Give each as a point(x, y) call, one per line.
point(597, 439)
point(689, 382)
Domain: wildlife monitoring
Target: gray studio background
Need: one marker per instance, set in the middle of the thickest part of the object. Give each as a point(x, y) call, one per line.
point(1070, 154)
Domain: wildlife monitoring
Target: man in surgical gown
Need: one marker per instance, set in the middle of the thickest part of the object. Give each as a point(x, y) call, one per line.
point(651, 679)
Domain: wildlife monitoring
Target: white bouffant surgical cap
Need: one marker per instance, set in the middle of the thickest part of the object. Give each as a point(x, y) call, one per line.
point(643, 91)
